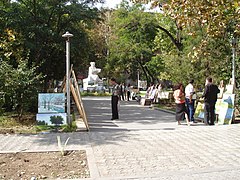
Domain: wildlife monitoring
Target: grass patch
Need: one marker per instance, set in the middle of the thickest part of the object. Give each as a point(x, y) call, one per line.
point(169, 107)
point(10, 119)
point(62, 128)
point(9, 124)
point(142, 93)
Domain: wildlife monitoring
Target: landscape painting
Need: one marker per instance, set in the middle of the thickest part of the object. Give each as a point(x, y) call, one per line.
point(51, 103)
point(52, 119)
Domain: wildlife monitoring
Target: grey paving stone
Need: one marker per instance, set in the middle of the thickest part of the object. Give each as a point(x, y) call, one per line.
point(143, 144)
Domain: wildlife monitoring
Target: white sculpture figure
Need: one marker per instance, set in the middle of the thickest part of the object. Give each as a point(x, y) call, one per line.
point(92, 80)
point(92, 73)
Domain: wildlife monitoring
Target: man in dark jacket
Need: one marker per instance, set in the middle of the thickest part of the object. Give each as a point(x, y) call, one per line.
point(115, 98)
point(210, 98)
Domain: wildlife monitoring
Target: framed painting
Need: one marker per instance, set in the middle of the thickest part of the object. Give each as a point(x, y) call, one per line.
point(51, 103)
point(52, 119)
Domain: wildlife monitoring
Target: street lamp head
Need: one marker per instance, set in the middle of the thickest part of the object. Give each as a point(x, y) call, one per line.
point(67, 35)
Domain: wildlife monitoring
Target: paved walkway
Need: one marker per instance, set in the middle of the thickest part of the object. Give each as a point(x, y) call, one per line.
point(144, 144)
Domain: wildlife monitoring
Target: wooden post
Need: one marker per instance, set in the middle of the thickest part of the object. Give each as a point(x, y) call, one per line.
point(76, 96)
point(79, 106)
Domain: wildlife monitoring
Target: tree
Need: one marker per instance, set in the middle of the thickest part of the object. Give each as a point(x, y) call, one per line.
point(21, 87)
point(56, 120)
point(216, 16)
point(42, 23)
point(19, 82)
point(98, 40)
point(133, 32)
point(204, 30)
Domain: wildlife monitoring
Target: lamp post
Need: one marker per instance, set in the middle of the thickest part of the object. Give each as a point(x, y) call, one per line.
point(138, 83)
point(67, 36)
point(234, 43)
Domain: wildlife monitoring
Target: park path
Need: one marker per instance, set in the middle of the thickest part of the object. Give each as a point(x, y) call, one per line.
point(144, 143)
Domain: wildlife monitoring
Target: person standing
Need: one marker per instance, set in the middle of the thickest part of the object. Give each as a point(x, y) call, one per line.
point(152, 94)
point(222, 89)
point(190, 100)
point(159, 92)
point(115, 98)
point(122, 92)
point(210, 98)
point(128, 89)
point(149, 90)
point(181, 110)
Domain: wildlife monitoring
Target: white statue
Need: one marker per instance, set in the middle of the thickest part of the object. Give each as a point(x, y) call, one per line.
point(92, 80)
point(92, 73)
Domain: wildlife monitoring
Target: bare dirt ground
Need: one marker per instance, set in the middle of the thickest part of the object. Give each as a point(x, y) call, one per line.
point(44, 165)
point(40, 165)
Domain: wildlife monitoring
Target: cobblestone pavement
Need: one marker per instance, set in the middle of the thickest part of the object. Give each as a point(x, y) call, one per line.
point(144, 144)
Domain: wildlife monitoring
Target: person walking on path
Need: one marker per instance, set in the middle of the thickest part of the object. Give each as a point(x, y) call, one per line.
point(190, 100)
point(128, 89)
point(181, 110)
point(210, 98)
point(115, 98)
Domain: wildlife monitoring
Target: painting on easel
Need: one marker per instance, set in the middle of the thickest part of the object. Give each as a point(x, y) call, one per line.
point(51, 103)
point(52, 119)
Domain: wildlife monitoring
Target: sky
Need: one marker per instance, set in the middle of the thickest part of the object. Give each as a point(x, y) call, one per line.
point(111, 4)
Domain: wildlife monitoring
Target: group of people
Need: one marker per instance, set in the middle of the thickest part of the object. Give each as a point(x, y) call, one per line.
point(185, 101)
point(154, 92)
point(119, 92)
point(124, 92)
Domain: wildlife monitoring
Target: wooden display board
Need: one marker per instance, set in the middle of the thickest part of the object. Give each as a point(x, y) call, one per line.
point(76, 96)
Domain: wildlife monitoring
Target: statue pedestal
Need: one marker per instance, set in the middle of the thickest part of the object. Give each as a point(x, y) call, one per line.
point(88, 86)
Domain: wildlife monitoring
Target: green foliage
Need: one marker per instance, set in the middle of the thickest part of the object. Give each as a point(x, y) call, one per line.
point(204, 30)
point(189, 39)
point(44, 128)
point(61, 128)
point(19, 81)
point(56, 120)
point(6, 120)
point(2, 102)
point(41, 24)
point(69, 128)
point(20, 86)
point(131, 42)
point(41, 123)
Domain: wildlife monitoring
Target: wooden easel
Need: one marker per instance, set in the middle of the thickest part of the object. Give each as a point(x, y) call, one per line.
point(76, 96)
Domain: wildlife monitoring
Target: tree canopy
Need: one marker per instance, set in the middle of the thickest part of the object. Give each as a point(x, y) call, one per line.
point(41, 25)
point(32, 48)
point(131, 42)
point(186, 39)
point(204, 30)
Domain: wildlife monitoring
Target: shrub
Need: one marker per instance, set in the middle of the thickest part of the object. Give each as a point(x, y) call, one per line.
point(20, 86)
